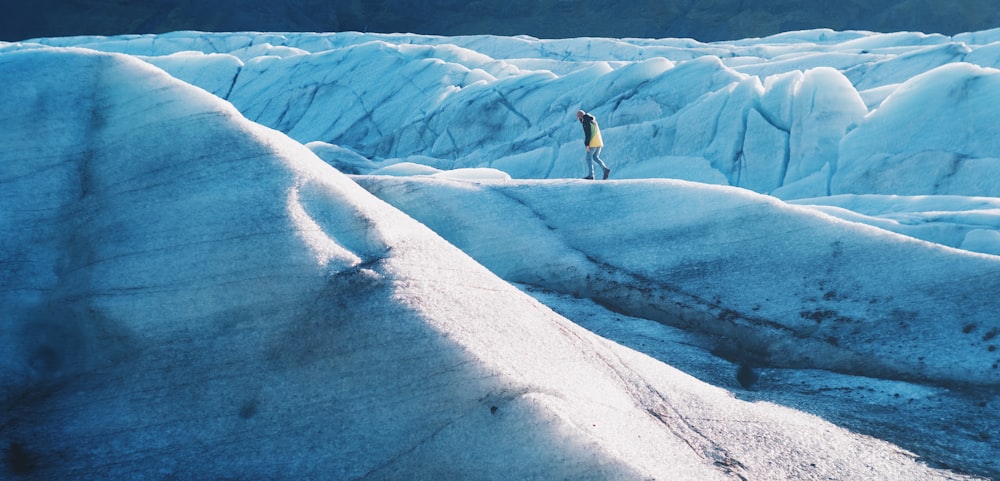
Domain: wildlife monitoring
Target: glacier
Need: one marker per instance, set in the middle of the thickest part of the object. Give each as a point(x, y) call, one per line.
point(796, 115)
point(370, 256)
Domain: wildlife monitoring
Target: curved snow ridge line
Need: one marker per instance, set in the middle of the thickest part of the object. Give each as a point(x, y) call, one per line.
point(968, 223)
point(776, 284)
point(342, 232)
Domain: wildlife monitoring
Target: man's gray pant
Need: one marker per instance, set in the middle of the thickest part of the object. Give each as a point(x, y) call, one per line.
point(594, 155)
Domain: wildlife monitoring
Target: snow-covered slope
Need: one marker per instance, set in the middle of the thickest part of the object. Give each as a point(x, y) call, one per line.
point(188, 295)
point(773, 283)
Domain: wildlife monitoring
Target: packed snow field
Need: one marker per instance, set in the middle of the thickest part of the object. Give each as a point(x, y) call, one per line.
point(371, 256)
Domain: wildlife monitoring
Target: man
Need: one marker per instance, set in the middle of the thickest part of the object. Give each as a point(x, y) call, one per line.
point(594, 143)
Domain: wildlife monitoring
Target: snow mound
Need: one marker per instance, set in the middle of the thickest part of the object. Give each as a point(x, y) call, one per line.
point(943, 141)
point(773, 283)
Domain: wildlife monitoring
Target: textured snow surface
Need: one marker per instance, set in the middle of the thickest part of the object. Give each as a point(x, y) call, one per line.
point(190, 292)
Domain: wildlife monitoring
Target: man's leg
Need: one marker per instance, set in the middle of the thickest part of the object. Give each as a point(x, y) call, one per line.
point(590, 164)
point(596, 151)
